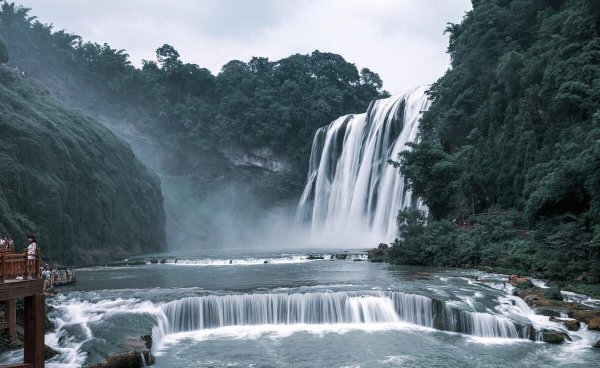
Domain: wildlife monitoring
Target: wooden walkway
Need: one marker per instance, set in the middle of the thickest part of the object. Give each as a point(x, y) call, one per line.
point(20, 278)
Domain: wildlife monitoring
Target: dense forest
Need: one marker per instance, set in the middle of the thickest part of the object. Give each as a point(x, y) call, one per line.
point(508, 159)
point(70, 181)
point(184, 122)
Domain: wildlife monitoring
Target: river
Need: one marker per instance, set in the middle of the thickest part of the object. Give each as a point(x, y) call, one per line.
point(231, 309)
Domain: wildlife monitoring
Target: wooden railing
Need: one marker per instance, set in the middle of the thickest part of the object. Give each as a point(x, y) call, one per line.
point(19, 266)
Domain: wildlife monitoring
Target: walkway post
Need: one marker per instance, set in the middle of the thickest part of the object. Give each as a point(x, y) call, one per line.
point(34, 330)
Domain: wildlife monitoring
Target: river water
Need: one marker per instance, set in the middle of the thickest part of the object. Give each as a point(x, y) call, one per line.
point(231, 309)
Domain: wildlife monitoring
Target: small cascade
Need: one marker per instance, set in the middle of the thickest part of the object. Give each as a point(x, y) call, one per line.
point(143, 360)
point(369, 307)
point(352, 194)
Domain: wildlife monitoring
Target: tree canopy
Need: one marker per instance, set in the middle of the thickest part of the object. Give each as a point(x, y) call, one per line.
point(515, 126)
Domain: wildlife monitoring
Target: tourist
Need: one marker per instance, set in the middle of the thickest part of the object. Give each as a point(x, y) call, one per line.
point(54, 277)
point(31, 252)
point(47, 276)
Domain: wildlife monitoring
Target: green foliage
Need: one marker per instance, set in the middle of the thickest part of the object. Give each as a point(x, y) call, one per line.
point(189, 112)
point(553, 293)
point(70, 181)
point(184, 122)
point(515, 126)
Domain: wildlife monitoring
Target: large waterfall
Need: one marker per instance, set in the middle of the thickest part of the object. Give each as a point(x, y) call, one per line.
point(352, 195)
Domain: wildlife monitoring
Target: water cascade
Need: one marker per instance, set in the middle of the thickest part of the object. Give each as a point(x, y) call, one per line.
point(369, 307)
point(352, 194)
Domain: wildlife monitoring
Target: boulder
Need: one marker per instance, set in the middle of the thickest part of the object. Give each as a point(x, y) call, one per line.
point(341, 256)
point(49, 352)
point(515, 280)
point(553, 293)
point(554, 337)
point(548, 313)
point(163, 261)
point(533, 299)
point(135, 263)
point(312, 257)
point(148, 341)
point(154, 261)
point(131, 359)
point(596, 345)
point(572, 324)
point(590, 317)
point(594, 324)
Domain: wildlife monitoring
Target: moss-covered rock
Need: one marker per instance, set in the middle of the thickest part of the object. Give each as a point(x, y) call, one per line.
point(70, 181)
point(553, 293)
point(554, 337)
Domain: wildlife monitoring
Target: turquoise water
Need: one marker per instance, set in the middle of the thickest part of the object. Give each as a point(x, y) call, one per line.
point(231, 309)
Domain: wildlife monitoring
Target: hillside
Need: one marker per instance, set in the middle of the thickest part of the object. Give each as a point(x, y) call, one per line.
point(229, 148)
point(70, 181)
point(511, 144)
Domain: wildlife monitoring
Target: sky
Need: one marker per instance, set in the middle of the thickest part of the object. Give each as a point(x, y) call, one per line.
point(402, 40)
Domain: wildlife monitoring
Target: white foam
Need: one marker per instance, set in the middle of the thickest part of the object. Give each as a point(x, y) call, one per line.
point(282, 331)
point(249, 261)
point(82, 313)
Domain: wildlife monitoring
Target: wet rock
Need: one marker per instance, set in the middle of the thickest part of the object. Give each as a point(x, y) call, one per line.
point(341, 256)
point(594, 324)
point(572, 324)
point(554, 337)
point(163, 261)
point(135, 263)
point(312, 257)
point(590, 317)
point(535, 300)
point(358, 260)
point(154, 261)
point(49, 352)
point(596, 345)
point(131, 359)
point(548, 313)
point(147, 340)
point(519, 281)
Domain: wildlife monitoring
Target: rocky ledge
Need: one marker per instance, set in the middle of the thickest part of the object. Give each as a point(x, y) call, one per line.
point(546, 301)
point(138, 356)
point(549, 302)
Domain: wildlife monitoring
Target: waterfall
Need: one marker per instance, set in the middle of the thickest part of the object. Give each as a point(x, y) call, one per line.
point(352, 195)
point(368, 307)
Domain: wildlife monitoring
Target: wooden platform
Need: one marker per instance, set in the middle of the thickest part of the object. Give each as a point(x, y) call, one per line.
point(13, 289)
point(20, 278)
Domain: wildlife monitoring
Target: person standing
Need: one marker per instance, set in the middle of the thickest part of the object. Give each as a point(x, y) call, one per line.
point(31, 252)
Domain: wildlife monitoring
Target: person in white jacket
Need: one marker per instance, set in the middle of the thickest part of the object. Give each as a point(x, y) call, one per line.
point(31, 252)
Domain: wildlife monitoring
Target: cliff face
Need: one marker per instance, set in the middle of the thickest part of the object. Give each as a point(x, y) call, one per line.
point(71, 181)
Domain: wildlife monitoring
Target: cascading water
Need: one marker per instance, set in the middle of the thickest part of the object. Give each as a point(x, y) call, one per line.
point(352, 195)
point(373, 307)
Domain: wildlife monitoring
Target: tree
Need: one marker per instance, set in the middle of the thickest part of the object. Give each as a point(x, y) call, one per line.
point(168, 57)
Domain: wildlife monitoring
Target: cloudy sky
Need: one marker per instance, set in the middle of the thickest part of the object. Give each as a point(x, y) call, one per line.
point(402, 40)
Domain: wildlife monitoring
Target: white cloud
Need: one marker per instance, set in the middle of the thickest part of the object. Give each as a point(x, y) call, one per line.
point(402, 40)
